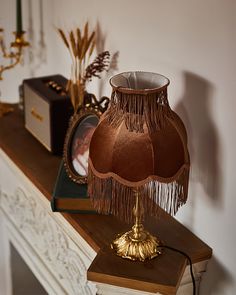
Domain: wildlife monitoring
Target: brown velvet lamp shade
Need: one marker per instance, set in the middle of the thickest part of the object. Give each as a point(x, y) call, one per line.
point(140, 145)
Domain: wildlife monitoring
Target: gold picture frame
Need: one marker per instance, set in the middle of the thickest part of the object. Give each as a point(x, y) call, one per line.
point(81, 127)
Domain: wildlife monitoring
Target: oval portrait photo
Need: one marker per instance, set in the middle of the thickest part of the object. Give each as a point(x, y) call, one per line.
point(80, 144)
point(76, 148)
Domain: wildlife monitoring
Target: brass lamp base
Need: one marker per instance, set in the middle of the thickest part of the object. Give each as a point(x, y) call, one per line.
point(137, 244)
point(145, 248)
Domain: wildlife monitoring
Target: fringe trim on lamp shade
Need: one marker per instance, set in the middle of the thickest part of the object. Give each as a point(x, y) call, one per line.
point(111, 195)
point(138, 109)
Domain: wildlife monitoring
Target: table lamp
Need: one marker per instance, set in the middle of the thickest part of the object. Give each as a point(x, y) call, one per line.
point(138, 160)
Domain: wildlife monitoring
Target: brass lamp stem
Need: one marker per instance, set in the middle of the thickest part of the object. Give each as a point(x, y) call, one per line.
point(138, 209)
point(137, 244)
point(138, 212)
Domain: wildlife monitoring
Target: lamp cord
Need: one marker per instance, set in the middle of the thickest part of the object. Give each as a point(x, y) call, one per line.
point(190, 264)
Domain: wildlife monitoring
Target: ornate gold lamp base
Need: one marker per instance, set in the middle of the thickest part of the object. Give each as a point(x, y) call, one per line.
point(143, 249)
point(137, 244)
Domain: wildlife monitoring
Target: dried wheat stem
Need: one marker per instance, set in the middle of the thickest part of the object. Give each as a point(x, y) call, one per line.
point(81, 45)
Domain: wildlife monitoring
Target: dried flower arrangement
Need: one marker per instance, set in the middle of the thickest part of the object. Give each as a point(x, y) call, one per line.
point(81, 45)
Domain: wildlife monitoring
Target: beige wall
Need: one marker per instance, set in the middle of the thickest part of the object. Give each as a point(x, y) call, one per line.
point(193, 43)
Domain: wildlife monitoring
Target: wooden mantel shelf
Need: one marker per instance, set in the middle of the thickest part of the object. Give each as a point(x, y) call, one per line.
point(162, 274)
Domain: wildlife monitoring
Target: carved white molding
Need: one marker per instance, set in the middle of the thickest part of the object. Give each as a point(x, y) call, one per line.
point(5, 260)
point(52, 240)
point(59, 253)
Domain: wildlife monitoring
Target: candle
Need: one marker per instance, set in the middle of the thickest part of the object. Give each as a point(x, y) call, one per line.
point(18, 17)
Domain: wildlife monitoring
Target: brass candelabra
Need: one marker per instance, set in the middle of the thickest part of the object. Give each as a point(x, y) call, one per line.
point(14, 56)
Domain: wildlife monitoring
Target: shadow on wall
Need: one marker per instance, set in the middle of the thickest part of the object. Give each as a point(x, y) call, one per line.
point(215, 279)
point(195, 110)
point(203, 142)
point(113, 66)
